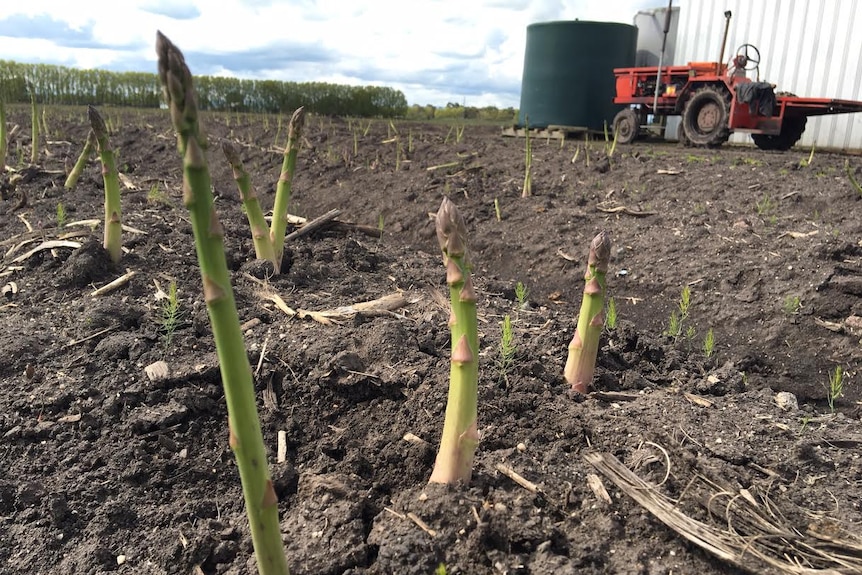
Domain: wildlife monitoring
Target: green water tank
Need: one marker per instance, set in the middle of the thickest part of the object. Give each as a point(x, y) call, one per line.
point(569, 72)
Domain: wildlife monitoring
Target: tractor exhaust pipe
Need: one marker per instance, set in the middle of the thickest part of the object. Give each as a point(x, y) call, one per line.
point(718, 64)
point(661, 59)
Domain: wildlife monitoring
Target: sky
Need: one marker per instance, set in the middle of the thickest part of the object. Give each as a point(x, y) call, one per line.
point(435, 51)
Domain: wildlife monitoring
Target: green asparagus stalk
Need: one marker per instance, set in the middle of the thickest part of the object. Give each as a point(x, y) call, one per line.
point(113, 215)
point(460, 435)
point(246, 438)
point(584, 347)
point(81, 163)
point(528, 161)
point(285, 181)
point(34, 134)
point(259, 229)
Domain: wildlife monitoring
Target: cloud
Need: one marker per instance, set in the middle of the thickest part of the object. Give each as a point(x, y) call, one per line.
point(171, 10)
point(44, 26)
point(281, 56)
point(436, 51)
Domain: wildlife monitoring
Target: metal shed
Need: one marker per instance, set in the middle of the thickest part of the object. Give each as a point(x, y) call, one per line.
point(811, 48)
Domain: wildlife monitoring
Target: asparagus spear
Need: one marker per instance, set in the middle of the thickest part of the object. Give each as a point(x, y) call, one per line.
point(259, 229)
point(283, 189)
point(460, 436)
point(113, 225)
point(246, 439)
point(34, 126)
point(581, 362)
point(75, 173)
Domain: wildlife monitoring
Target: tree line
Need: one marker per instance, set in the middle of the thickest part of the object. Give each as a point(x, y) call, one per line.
point(454, 111)
point(60, 85)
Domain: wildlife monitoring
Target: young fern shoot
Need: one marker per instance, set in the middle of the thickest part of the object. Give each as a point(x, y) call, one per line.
point(584, 347)
point(848, 169)
point(611, 316)
point(835, 388)
point(170, 314)
point(508, 349)
point(460, 435)
point(245, 436)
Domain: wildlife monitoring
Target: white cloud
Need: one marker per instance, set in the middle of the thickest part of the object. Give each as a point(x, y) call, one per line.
point(435, 51)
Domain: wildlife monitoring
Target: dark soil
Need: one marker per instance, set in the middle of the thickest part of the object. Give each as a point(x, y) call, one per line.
point(106, 470)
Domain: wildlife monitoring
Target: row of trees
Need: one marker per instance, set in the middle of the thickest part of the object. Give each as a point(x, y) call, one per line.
point(59, 85)
point(458, 112)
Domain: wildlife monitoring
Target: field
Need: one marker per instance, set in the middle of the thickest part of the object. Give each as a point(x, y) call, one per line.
point(110, 470)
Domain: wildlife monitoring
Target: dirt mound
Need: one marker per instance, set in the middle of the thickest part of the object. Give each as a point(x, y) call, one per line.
point(110, 471)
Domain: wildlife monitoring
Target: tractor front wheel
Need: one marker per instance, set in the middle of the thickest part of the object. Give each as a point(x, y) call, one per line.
point(681, 138)
point(705, 117)
point(626, 126)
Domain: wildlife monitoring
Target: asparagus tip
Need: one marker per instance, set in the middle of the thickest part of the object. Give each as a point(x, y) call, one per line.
point(296, 122)
point(451, 229)
point(230, 153)
point(600, 251)
point(97, 124)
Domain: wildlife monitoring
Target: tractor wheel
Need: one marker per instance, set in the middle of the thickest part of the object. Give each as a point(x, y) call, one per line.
point(791, 130)
point(681, 138)
point(705, 117)
point(626, 126)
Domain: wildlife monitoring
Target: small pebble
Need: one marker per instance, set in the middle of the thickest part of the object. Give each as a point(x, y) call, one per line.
point(786, 401)
point(522, 447)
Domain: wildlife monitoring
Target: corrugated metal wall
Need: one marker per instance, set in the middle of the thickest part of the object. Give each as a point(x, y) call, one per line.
point(812, 48)
point(650, 25)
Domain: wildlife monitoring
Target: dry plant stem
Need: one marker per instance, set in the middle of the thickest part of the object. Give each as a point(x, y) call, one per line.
point(283, 189)
point(3, 136)
point(113, 216)
point(460, 436)
point(246, 439)
point(259, 229)
point(581, 362)
point(81, 163)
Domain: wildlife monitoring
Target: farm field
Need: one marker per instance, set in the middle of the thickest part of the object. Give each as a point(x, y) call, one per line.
point(111, 470)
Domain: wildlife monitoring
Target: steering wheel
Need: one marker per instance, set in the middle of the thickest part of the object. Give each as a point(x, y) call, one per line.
point(751, 55)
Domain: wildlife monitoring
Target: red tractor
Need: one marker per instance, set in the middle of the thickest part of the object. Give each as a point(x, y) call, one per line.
point(715, 99)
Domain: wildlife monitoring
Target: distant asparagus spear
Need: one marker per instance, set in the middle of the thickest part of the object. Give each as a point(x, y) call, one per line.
point(77, 170)
point(246, 439)
point(584, 347)
point(34, 133)
point(285, 185)
point(113, 215)
point(460, 436)
point(259, 229)
point(269, 242)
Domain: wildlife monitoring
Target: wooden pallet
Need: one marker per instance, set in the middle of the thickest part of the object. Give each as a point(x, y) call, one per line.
point(553, 132)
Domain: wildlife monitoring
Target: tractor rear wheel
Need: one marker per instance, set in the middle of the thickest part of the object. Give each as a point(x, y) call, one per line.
point(626, 126)
point(791, 130)
point(705, 117)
